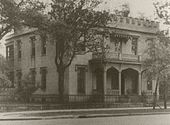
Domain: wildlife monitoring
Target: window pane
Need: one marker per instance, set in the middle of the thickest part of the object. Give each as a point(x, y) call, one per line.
point(19, 48)
point(43, 78)
point(32, 46)
point(149, 85)
point(81, 80)
point(33, 76)
point(43, 46)
point(134, 46)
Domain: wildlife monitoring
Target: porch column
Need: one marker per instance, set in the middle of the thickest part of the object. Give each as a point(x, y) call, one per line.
point(139, 84)
point(105, 81)
point(120, 82)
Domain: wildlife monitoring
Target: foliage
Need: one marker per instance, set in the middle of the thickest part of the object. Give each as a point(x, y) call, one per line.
point(25, 90)
point(162, 10)
point(158, 54)
point(125, 10)
point(157, 61)
point(12, 13)
point(4, 81)
point(4, 67)
point(69, 24)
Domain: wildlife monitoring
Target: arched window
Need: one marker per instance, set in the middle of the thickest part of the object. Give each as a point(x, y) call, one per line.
point(149, 85)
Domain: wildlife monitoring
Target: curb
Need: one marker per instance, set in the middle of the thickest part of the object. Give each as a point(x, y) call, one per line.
point(121, 114)
point(81, 116)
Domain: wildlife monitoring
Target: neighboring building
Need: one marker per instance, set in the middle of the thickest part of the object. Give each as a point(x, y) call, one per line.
point(119, 74)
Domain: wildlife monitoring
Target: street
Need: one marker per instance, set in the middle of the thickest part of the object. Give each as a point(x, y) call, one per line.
point(163, 119)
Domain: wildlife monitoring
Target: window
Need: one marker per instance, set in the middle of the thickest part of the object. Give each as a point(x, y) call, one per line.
point(43, 45)
point(139, 22)
point(117, 46)
point(19, 48)
point(19, 76)
point(121, 19)
point(117, 43)
point(81, 76)
point(32, 46)
point(10, 52)
point(115, 82)
point(127, 20)
point(149, 85)
point(11, 77)
point(133, 21)
point(10, 55)
point(33, 76)
point(43, 71)
point(134, 46)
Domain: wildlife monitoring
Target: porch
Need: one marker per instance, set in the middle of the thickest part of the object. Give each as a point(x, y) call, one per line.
point(111, 81)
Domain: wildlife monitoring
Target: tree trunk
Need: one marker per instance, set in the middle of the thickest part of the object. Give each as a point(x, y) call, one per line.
point(165, 95)
point(165, 100)
point(155, 94)
point(61, 84)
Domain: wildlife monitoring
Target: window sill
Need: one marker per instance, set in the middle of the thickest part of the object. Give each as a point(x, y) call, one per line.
point(43, 54)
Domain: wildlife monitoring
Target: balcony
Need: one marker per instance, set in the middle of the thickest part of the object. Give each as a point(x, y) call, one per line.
point(118, 56)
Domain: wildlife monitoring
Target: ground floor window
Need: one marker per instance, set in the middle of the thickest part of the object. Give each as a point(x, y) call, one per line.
point(43, 71)
point(33, 76)
point(81, 79)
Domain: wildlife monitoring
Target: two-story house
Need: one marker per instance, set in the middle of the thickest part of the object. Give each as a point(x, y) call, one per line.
point(119, 73)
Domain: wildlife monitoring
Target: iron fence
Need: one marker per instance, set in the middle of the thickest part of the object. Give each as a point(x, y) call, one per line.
point(39, 102)
point(87, 98)
point(78, 99)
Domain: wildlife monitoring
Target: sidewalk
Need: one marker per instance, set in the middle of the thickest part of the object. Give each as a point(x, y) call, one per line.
point(81, 113)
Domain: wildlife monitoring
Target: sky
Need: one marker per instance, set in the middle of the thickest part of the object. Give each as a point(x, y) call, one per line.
point(136, 6)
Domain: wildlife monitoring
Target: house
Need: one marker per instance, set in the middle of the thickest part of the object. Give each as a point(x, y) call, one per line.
point(120, 73)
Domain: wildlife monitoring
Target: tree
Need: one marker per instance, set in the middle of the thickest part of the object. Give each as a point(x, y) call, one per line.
point(124, 11)
point(25, 89)
point(70, 25)
point(4, 81)
point(12, 13)
point(3, 64)
point(157, 61)
point(163, 15)
point(162, 11)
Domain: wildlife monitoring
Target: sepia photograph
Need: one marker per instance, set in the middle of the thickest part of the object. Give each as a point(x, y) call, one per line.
point(84, 62)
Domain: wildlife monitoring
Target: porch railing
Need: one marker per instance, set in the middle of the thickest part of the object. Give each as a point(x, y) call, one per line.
point(118, 56)
point(112, 92)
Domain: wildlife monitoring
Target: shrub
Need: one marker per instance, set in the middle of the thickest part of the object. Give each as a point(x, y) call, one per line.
point(25, 89)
